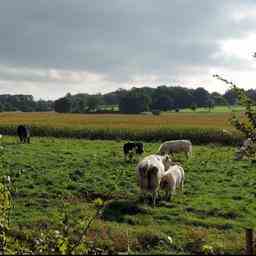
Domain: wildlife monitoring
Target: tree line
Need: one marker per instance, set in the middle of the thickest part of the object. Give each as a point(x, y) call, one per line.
point(135, 100)
point(24, 103)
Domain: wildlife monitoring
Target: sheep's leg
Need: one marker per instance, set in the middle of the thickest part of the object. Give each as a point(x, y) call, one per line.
point(167, 195)
point(154, 195)
point(182, 185)
point(174, 190)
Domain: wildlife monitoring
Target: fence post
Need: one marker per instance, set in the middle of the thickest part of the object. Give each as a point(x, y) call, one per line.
point(249, 241)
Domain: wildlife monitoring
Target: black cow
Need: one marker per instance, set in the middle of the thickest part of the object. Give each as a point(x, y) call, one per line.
point(131, 148)
point(23, 133)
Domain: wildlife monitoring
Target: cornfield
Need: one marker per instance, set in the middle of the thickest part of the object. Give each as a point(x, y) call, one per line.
point(199, 128)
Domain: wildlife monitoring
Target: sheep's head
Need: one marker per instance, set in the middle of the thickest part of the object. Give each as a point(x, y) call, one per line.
point(167, 161)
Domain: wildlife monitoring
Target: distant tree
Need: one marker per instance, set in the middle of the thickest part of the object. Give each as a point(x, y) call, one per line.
point(211, 104)
point(81, 105)
point(182, 97)
point(231, 97)
point(156, 112)
point(111, 98)
point(134, 102)
point(218, 99)
point(63, 105)
point(93, 102)
point(201, 96)
point(43, 106)
point(163, 102)
point(251, 94)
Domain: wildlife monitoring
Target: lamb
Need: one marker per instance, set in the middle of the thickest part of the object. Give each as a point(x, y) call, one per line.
point(173, 178)
point(149, 173)
point(176, 146)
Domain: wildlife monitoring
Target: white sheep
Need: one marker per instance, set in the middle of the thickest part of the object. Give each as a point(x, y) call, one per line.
point(149, 173)
point(173, 178)
point(176, 146)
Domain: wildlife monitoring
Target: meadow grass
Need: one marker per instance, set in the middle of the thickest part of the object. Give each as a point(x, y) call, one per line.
point(53, 176)
point(216, 109)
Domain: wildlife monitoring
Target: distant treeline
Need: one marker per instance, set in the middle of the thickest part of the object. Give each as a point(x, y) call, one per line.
point(135, 100)
point(25, 103)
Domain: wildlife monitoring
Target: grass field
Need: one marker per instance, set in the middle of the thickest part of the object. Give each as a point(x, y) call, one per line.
point(53, 176)
point(217, 109)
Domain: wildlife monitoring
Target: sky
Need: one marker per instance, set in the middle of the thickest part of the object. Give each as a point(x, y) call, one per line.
point(51, 47)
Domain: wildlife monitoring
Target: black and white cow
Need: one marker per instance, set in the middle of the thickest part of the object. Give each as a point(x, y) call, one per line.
point(23, 133)
point(131, 148)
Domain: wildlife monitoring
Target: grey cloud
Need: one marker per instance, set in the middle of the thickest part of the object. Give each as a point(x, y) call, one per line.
point(119, 38)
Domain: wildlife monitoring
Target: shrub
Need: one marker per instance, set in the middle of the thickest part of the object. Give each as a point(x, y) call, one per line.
point(156, 112)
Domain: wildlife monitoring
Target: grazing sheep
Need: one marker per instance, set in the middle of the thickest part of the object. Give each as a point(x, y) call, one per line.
point(23, 133)
point(244, 149)
point(176, 146)
point(131, 148)
point(149, 173)
point(173, 178)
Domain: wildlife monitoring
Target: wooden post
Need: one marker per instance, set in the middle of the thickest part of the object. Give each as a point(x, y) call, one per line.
point(249, 241)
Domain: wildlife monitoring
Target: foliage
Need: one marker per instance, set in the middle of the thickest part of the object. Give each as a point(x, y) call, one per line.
point(193, 106)
point(163, 102)
point(201, 96)
point(134, 102)
point(137, 100)
point(25, 103)
point(156, 112)
point(5, 207)
point(93, 102)
point(163, 97)
point(63, 105)
point(247, 123)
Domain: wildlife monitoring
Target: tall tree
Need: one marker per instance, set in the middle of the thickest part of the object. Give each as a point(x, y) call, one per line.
point(163, 103)
point(134, 103)
point(231, 97)
point(202, 97)
point(63, 105)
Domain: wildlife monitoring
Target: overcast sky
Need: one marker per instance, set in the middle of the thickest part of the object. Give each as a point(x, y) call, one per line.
point(51, 47)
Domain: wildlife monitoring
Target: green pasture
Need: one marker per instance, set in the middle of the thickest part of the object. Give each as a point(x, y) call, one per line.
point(53, 177)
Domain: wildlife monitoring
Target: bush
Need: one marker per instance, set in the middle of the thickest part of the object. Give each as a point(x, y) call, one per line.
point(156, 112)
